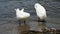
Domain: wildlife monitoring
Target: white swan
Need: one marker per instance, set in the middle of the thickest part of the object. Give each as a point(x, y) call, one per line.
point(41, 12)
point(21, 15)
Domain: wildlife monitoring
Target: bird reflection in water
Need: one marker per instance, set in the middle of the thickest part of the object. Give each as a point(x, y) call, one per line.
point(41, 28)
point(23, 28)
point(42, 25)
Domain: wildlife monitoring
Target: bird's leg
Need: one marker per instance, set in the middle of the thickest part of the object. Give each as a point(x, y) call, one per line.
point(19, 22)
point(24, 22)
point(38, 20)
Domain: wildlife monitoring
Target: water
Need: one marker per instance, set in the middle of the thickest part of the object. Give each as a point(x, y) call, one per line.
point(8, 22)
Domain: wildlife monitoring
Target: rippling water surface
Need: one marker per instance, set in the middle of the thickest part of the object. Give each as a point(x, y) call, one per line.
point(8, 22)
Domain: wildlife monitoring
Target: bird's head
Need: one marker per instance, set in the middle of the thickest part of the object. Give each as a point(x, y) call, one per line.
point(17, 9)
point(37, 5)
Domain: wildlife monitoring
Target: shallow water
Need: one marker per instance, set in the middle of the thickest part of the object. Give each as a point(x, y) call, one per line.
point(9, 24)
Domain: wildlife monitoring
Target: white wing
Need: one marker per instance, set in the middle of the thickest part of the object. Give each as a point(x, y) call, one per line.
point(21, 13)
point(40, 10)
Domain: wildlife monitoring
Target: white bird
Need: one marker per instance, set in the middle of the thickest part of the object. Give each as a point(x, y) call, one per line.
point(21, 15)
point(41, 12)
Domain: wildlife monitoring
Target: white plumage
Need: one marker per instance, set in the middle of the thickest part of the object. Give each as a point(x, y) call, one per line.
point(40, 10)
point(20, 14)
